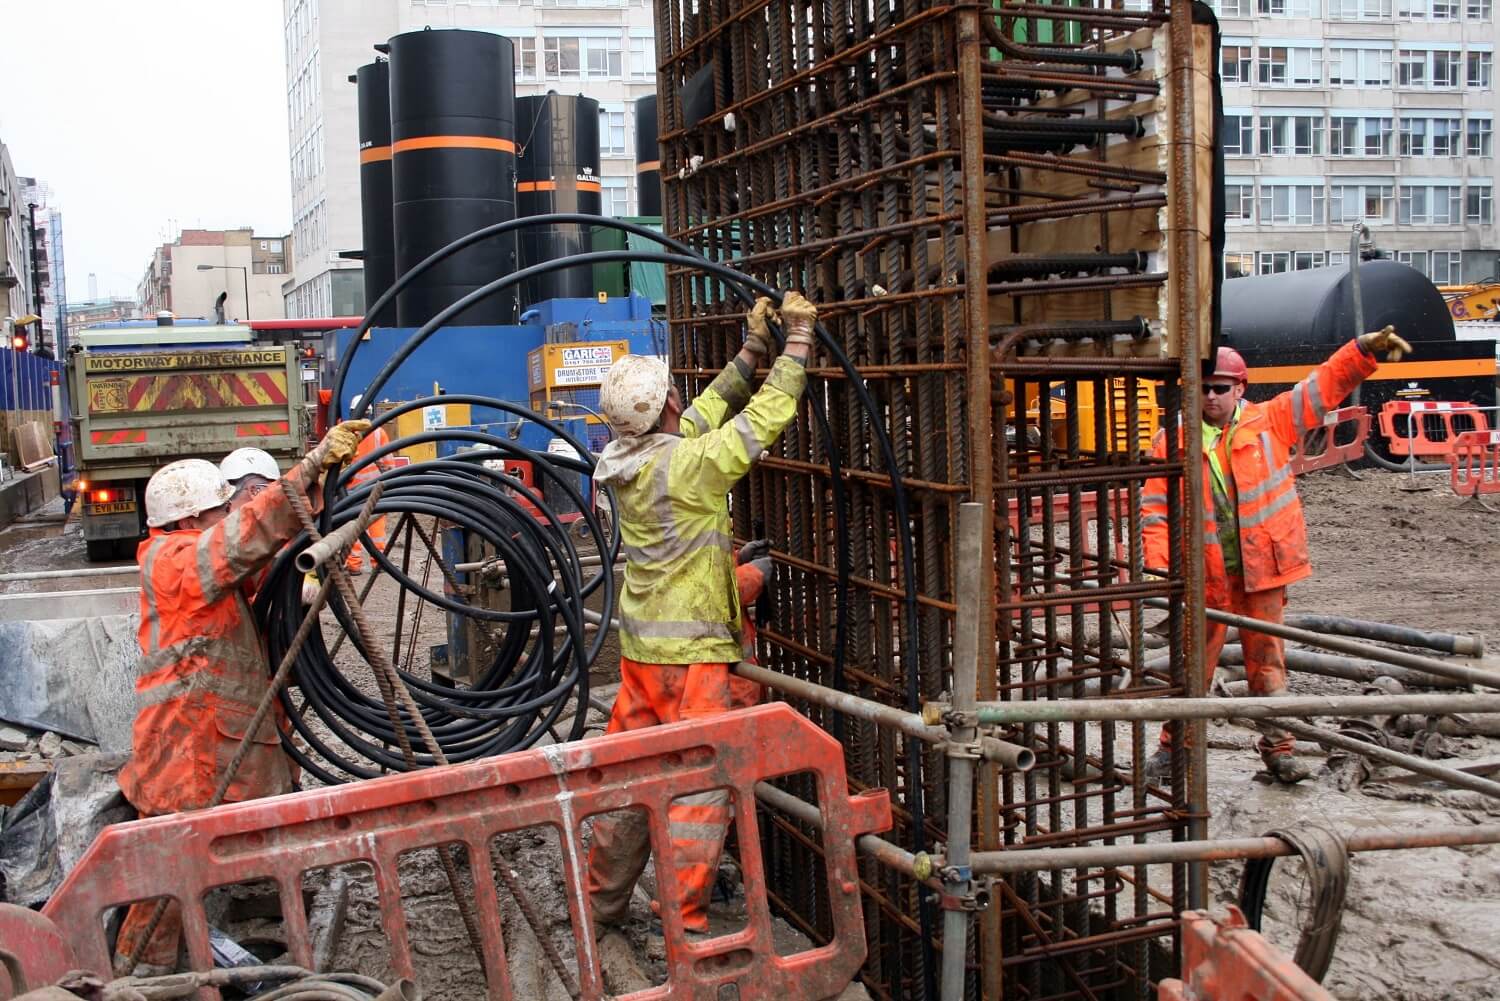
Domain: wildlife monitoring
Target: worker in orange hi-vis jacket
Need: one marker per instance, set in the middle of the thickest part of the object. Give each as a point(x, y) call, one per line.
point(203, 665)
point(1255, 540)
point(375, 440)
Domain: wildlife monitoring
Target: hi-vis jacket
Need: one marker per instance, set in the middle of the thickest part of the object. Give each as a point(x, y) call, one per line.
point(680, 604)
point(203, 667)
point(1272, 534)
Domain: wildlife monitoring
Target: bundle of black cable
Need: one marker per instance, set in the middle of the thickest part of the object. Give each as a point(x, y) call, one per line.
point(539, 674)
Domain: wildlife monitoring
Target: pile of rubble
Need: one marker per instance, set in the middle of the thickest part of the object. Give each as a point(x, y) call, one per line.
point(20, 744)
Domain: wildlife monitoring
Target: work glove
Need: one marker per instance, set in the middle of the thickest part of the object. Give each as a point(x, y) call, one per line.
point(310, 588)
point(759, 549)
point(797, 317)
point(1385, 340)
point(757, 323)
point(338, 446)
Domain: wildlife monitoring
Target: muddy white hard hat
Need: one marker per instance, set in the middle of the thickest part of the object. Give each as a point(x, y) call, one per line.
point(244, 462)
point(634, 391)
point(183, 489)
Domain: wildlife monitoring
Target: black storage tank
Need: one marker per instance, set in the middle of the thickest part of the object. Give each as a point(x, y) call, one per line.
point(647, 158)
point(557, 171)
point(453, 140)
point(373, 92)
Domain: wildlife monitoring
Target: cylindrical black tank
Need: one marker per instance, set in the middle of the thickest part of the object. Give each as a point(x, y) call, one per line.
point(373, 91)
point(1317, 307)
point(647, 158)
point(453, 140)
point(557, 171)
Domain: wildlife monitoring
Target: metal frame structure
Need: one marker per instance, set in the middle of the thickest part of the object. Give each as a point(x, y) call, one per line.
point(998, 210)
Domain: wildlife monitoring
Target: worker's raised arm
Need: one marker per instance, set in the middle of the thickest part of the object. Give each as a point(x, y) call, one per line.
point(730, 390)
point(1302, 408)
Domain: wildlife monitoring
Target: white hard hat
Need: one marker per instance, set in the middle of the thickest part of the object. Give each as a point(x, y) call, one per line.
point(354, 401)
point(244, 462)
point(183, 489)
point(635, 389)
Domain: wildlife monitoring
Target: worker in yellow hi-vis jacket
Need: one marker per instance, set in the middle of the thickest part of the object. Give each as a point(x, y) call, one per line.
point(680, 616)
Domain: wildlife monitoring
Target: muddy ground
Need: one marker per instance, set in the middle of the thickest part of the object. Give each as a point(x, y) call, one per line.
point(1417, 926)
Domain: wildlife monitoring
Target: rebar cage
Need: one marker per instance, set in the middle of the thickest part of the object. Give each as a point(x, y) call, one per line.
point(1004, 215)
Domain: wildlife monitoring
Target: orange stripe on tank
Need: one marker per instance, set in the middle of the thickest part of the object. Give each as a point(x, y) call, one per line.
point(374, 154)
point(453, 142)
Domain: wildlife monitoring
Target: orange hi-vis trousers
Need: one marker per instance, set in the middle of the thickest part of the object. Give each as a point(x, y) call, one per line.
point(1265, 659)
point(356, 560)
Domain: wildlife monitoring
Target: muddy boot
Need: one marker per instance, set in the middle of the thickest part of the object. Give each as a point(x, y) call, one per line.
point(1159, 766)
point(1286, 769)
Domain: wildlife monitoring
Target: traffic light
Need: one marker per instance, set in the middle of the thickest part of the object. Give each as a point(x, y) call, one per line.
point(19, 342)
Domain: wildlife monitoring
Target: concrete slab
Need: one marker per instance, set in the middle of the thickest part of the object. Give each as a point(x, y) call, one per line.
point(27, 492)
point(75, 677)
point(78, 604)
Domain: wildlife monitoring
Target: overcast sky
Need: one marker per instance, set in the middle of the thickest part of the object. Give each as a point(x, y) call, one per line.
point(146, 114)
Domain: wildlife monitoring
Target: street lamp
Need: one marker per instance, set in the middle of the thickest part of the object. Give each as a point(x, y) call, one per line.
point(244, 273)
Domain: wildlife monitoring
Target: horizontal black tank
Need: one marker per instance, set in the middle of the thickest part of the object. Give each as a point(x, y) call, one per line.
point(557, 171)
point(1316, 307)
point(647, 158)
point(373, 93)
point(453, 140)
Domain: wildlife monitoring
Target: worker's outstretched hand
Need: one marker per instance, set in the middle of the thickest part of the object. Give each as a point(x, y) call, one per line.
point(758, 339)
point(338, 445)
point(758, 549)
point(797, 317)
point(1385, 340)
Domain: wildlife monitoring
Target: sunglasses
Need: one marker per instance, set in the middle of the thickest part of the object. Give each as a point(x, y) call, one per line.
point(1218, 388)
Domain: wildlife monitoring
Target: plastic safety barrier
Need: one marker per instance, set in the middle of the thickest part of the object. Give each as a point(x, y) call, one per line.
point(1428, 428)
point(1341, 439)
point(1474, 466)
point(1223, 959)
point(375, 822)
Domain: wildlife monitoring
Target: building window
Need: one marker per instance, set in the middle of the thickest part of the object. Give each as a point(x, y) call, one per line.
point(525, 58)
point(560, 58)
point(1431, 136)
point(611, 133)
point(1480, 136)
point(1359, 10)
point(1239, 135)
point(1357, 67)
point(642, 57)
point(1413, 259)
point(1412, 68)
point(1478, 10)
point(273, 269)
point(1288, 8)
point(1306, 260)
point(1236, 8)
point(616, 196)
point(1280, 65)
point(1361, 203)
point(603, 59)
point(1446, 67)
point(1447, 267)
point(1239, 202)
point(1430, 205)
point(1447, 137)
point(1239, 265)
point(1291, 135)
point(1481, 68)
point(1291, 204)
point(1479, 204)
point(1275, 262)
point(1359, 136)
point(1234, 63)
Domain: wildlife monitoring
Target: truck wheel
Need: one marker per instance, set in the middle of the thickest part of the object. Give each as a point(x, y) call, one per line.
point(101, 550)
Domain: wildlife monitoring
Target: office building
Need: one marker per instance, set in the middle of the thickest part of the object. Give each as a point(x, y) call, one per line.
point(187, 276)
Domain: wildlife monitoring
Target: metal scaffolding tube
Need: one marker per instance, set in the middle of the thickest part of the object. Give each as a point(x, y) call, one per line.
point(1253, 707)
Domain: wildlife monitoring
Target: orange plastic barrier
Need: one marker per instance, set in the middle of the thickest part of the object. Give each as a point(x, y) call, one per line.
point(1224, 960)
point(1474, 466)
point(1341, 439)
point(1428, 428)
point(281, 838)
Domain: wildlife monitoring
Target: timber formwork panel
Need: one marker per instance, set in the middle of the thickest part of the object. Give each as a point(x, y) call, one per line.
point(987, 207)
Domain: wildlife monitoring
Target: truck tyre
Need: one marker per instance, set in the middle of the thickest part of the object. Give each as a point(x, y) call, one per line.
point(109, 550)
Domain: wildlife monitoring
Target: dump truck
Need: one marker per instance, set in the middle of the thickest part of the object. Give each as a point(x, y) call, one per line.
point(145, 393)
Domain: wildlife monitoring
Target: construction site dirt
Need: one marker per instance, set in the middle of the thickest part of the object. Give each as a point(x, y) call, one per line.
point(1421, 925)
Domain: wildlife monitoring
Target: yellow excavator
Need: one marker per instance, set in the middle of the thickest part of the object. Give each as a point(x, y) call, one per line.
point(1480, 301)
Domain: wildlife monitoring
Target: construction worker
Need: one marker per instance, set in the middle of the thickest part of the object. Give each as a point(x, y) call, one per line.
point(680, 610)
point(1255, 540)
point(203, 667)
point(248, 471)
point(376, 439)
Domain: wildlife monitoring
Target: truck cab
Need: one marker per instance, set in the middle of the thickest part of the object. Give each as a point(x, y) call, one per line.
point(146, 393)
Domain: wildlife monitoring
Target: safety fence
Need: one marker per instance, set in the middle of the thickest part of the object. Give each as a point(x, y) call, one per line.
point(987, 221)
point(26, 380)
point(1474, 466)
point(559, 789)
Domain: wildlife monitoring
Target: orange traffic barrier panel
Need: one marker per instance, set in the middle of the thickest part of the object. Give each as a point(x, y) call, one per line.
point(1341, 439)
point(376, 822)
point(1428, 428)
point(1474, 466)
point(1223, 959)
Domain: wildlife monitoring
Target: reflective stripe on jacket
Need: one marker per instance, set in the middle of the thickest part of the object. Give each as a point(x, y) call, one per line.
point(1272, 533)
point(679, 603)
point(203, 667)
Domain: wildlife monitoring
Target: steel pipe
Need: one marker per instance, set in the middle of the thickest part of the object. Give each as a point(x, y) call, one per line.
point(130, 571)
point(1330, 665)
point(1224, 850)
point(333, 545)
point(1385, 632)
point(1412, 763)
point(1273, 707)
point(892, 856)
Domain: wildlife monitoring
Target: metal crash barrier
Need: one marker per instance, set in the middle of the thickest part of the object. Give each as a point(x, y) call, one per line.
point(1223, 959)
point(279, 839)
point(1341, 439)
point(1428, 428)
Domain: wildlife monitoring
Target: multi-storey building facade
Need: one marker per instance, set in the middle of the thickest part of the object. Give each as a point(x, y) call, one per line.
point(1339, 112)
point(187, 276)
point(51, 293)
point(15, 241)
point(603, 49)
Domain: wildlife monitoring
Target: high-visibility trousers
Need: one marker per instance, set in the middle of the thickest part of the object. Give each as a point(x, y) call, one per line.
point(651, 694)
point(1265, 657)
point(357, 554)
point(166, 940)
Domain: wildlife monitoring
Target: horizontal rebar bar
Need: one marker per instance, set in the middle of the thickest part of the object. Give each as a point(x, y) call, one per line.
point(1253, 707)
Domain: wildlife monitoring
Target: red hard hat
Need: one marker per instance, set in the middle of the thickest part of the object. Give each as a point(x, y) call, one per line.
point(1230, 364)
